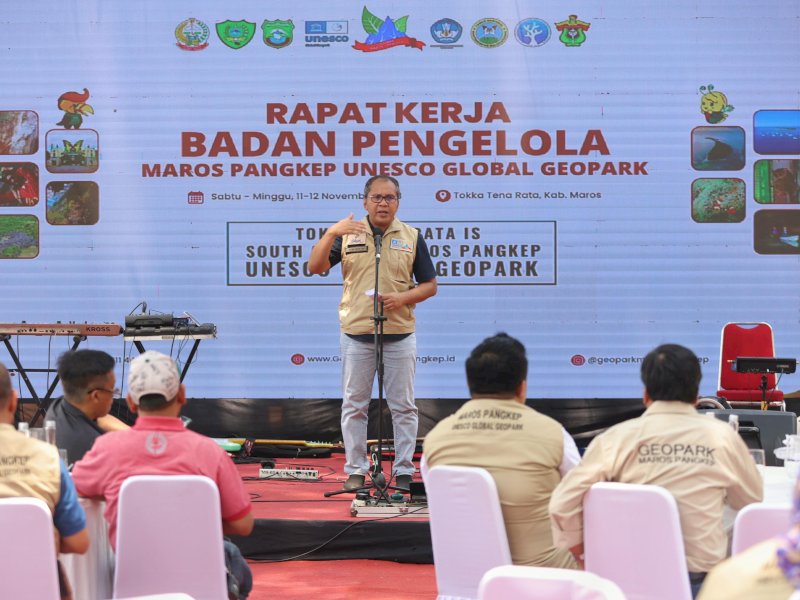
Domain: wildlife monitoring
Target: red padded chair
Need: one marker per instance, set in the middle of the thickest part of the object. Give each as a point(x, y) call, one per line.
point(746, 339)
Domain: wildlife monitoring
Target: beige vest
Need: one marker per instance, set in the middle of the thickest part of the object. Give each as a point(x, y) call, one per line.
point(522, 450)
point(28, 468)
point(398, 250)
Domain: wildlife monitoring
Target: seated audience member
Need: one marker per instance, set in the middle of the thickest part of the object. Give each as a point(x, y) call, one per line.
point(526, 452)
point(769, 570)
point(32, 469)
point(159, 444)
point(81, 416)
point(702, 462)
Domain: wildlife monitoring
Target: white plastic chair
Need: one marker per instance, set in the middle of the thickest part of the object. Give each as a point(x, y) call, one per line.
point(467, 528)
point(423, 468)
point(169, 538)
point(625, 522)
point(28, 550)
point(758, 522)
point(542, 583)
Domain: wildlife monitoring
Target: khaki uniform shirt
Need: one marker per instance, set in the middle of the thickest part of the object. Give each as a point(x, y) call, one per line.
point(701, 461)
point(398, 250)
point(522, 450)
point(751, 575)
point(28, 468)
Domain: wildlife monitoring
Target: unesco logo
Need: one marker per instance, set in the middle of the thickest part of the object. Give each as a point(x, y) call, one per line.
point(324, 33)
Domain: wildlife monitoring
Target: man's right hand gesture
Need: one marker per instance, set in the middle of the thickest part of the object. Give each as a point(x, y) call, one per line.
point(346, 226)
point(318, 261)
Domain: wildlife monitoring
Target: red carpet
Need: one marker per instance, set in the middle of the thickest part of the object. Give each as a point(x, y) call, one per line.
point(343, 580)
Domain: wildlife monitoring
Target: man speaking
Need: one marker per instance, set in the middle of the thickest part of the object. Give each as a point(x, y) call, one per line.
point(404, 259)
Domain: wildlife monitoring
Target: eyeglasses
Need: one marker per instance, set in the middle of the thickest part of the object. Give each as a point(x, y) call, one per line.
point(116, 391)
point(378, 198)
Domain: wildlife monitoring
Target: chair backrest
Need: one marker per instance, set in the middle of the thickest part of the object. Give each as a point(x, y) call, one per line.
point(758, 522)
point(467, 528)
point(542, 583)
point(745, 339)
point(169, 538)
point(423, 468)
point(28, 550)
point(632, 536)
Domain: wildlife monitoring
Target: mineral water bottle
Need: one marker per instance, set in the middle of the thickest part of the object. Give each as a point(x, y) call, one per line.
point(50, 431)
point(733, 421)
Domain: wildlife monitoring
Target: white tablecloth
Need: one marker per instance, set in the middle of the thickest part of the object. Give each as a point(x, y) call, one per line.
point(778, 486)
point(91, 574)
point(778, 489)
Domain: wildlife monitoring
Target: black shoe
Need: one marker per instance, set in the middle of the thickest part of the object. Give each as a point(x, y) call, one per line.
point(353, 482)
point(403, 482)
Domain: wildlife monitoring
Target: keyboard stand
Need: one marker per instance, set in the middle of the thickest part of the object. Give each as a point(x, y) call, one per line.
point(42, 404)
point(137, 341)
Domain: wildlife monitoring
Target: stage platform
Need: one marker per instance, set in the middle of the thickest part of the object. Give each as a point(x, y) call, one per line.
point(294, 519)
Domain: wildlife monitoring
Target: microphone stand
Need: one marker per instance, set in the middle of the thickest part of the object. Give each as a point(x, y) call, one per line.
point(377, 477)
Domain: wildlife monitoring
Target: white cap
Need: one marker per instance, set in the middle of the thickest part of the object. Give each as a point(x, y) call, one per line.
point(153, 373)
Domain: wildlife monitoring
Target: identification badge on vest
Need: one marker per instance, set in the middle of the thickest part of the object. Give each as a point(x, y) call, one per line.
point(402, 245)
point(356, 243)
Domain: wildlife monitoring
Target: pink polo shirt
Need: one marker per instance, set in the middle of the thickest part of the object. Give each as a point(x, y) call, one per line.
point(157, 446)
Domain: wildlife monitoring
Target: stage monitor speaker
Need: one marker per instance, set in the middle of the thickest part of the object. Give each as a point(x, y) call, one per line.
point(762, 429)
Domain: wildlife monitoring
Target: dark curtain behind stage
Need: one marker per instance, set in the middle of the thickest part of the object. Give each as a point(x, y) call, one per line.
point(318, 419)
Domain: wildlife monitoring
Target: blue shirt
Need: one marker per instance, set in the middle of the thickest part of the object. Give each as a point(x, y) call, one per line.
point(68, 516)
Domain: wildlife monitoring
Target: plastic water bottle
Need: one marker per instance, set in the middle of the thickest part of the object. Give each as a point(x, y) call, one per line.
point(24, 429)
point(50, 431)
point(733, 421)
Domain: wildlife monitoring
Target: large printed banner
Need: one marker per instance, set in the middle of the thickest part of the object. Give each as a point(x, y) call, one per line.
point(594, 178)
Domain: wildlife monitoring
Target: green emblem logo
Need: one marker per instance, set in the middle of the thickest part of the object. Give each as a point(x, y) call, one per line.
point(489, 33)
point(573, 31)
point(236, 34)
point(278, 34)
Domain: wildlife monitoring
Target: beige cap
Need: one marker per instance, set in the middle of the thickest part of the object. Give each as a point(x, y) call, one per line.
point(153, 373)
